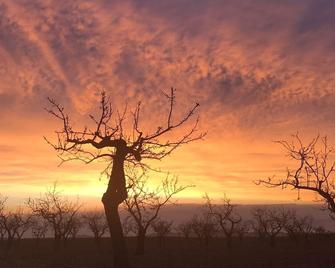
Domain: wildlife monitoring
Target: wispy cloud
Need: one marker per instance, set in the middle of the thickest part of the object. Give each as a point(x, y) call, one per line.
point(258, 68)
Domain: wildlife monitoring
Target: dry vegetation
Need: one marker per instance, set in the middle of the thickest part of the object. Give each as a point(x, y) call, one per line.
point(215, 237)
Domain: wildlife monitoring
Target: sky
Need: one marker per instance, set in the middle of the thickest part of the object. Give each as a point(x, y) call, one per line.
point(261, 71)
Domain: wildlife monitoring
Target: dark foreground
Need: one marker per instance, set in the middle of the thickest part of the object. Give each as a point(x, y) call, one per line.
point(177, 252)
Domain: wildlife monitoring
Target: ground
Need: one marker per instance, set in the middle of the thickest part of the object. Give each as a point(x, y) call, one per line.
point(177, 253)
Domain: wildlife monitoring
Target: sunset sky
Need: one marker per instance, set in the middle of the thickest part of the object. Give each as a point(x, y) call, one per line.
point(261, 71)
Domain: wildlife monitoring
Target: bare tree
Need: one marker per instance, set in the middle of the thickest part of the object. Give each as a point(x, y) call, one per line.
point(298, 227)
point(97, 224)
point(161, 228)
point(225, 216)
point(319, 230)
point(3, 201)
point(185, 229)
point(23, 222)
point(14, 224)
point(144, 204)
point(314, 171)
point(39, 228)
point(110, 140)
point(58, 211)
point(128, 226)
point(74, 227)
point(9, 223)
point(203, 227)
point(269, 222)
point(242, 228)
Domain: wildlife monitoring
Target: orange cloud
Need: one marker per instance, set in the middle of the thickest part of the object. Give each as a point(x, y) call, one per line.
point(261, 70)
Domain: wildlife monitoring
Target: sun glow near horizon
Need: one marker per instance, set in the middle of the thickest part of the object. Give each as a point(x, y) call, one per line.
point(260, 74)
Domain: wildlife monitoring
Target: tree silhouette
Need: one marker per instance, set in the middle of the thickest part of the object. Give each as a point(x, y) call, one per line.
point(298, 227)
point(184, 229)
point(269, 222)
point(144, 204)
point(74, 227)
point(3, 201)
point(39, 228)
point(225, 216)
point(23, 222)
point(314, 172)
point(242, 229)
point(203, 227)
point(60, 213)
point(97, 224)
point(13, 224)
point(161, 228)
point(111, 141)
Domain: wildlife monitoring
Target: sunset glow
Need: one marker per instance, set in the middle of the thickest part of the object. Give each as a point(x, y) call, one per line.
point(261, 71)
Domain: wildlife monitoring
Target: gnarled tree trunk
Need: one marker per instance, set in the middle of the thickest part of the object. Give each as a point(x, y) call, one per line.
point(112, 198)
point(120, 253)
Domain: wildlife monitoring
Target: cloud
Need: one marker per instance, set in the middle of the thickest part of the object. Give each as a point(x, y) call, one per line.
point(258, 68)
point(242, 58)
point(250, 64)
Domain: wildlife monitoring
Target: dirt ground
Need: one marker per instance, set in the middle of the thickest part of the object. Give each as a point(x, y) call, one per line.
point(176, 253)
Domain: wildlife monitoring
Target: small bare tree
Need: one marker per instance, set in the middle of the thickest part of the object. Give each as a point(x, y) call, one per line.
point(185, 229)
point(314, 172)
point(3, 201)
point(58, 211)
point(97, 224)
point(269, 222)
point(225, 216)
point(320, 232)
point(118, 145)
point(9, 223)
point(14, 224)
point(39, 228)
point(128, 226)
point(144, 204)
point(23, 222)
point(242, 228)
point(161, 228)
point(74, 227)
point(298, 227)
point(203, 227)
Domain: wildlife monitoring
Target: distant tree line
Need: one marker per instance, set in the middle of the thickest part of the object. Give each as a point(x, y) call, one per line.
point(55, 215)
point(267, 223)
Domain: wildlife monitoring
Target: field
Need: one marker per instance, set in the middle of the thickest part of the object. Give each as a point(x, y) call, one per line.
point(176, 253)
